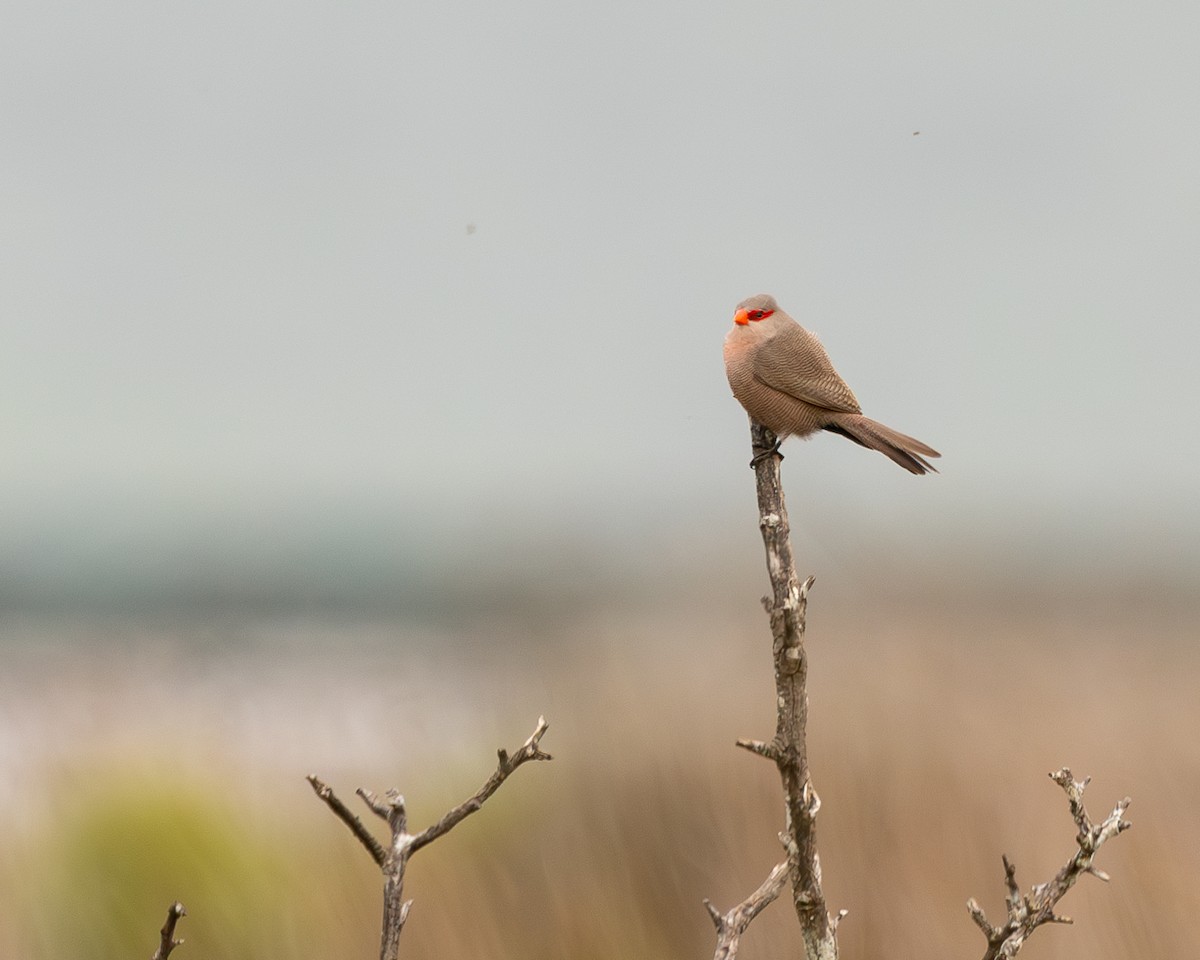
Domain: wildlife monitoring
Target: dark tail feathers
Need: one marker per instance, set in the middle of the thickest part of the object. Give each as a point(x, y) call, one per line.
point(896, 446)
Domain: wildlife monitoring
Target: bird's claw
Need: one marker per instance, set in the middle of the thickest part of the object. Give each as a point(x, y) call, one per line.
point(772, 451)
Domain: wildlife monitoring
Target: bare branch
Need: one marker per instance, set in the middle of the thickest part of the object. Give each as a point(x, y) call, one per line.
point(1028, 912)
point(343, 813)
point(766, 750)
point(393, 859)
point(732, 925)
point(167, 941)
point(980, 918)
point(530, 750)
point(787, 608)
point(378, 807)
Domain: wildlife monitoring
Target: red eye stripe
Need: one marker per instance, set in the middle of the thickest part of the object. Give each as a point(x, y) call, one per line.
point(760, 314)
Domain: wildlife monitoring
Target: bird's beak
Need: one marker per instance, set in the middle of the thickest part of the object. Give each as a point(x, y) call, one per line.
point(741, 318)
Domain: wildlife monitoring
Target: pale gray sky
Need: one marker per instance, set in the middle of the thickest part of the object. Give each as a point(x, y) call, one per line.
point(435, 268)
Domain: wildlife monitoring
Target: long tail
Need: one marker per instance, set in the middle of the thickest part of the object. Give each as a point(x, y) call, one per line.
point(899, 447)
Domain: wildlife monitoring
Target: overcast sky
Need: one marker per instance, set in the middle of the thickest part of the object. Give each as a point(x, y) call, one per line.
point(435, 268)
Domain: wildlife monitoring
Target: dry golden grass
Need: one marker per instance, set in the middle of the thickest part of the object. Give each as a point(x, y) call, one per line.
point(931, 735)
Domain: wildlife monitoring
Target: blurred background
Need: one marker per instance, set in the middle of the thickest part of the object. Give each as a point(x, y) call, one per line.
point(362, 399)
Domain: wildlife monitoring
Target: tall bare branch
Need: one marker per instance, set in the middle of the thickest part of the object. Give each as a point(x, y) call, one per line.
point(786, 608)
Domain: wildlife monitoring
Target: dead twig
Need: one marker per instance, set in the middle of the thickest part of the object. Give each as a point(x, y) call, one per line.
point(349, 818)
point(529, 751)
point(393, 859)
point(1027, 912)
point(167, 941)
point(730, 926)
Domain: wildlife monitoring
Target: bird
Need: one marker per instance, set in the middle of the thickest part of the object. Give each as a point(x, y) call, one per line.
point(782, 376)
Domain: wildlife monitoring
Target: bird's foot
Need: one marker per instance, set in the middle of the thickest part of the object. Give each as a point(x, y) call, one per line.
point(761, 455)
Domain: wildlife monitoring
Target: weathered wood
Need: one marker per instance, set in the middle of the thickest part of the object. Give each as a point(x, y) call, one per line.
point(1028, 912)
point(393, 859)
point(167, 941)
point(787, 607)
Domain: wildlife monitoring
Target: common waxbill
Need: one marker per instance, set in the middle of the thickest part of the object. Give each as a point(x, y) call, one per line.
point(782, 375)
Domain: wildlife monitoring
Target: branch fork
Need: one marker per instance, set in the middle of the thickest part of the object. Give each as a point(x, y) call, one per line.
point(1027, 912)
point(393, 858)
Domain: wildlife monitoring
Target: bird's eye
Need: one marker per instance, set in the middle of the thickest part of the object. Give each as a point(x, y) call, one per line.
point(756, 314)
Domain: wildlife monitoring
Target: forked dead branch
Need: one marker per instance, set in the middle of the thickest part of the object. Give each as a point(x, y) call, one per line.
point(1027, 912)
point(393, 858)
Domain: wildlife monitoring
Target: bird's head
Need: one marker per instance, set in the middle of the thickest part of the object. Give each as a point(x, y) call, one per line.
point(755, 308)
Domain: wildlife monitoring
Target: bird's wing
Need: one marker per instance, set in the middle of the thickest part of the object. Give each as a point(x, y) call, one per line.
point(794, 362)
